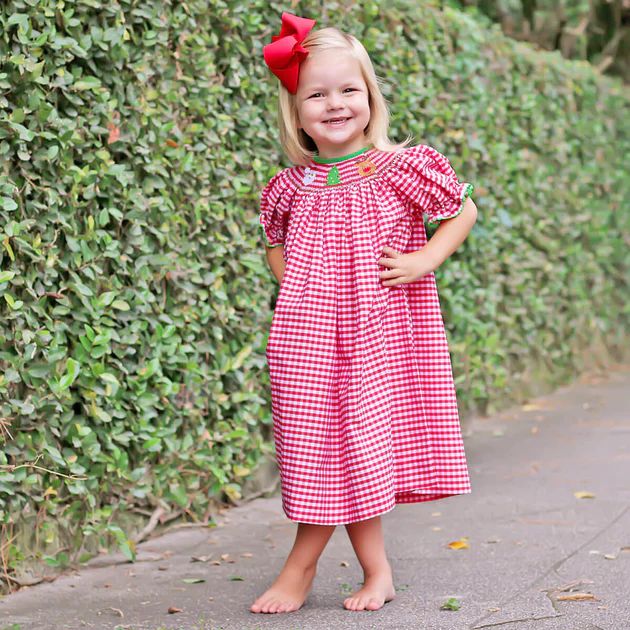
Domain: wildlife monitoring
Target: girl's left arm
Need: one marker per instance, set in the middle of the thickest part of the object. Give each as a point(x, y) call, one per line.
point(449, 235)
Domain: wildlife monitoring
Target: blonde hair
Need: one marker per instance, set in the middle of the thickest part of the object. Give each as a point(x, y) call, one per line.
point(297, 144)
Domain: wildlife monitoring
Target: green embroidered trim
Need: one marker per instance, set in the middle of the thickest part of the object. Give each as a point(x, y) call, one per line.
point(466, 193)
point(267, 243)
point(333, 177)
point(321, 160)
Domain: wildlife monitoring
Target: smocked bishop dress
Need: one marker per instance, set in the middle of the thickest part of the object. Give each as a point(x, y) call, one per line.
point(363, 401)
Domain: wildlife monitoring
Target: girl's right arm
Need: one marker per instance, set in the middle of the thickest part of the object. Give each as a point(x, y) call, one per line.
point(275, 258)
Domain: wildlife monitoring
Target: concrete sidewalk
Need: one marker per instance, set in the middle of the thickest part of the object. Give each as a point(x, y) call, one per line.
point(532, 542)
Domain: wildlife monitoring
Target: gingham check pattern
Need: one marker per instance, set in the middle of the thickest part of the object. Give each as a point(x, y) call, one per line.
point(363, 400)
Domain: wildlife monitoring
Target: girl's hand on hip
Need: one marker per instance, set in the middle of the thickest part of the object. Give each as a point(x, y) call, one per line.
point(403, 268)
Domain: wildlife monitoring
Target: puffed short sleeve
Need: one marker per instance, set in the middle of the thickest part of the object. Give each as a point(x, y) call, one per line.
point(428, 180)
point(275, 202)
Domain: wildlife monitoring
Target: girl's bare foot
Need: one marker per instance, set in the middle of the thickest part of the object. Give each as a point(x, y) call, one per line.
point(287, 593)
point(377, 589)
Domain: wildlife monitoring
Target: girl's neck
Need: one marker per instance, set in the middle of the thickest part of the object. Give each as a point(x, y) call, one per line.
point(320, 159)
point(343, 152)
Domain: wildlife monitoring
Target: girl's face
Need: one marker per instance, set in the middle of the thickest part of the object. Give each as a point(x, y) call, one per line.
point(332, 102)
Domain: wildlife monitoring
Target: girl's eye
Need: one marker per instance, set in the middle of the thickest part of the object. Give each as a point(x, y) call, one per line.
point(319, 93)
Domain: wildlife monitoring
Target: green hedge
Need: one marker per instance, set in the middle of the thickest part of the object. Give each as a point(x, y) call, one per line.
point(134, 294)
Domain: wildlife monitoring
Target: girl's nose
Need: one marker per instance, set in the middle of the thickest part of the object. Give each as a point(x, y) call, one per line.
point(334, 101)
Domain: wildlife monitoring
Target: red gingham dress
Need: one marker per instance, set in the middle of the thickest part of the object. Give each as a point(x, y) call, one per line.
point(363, 401)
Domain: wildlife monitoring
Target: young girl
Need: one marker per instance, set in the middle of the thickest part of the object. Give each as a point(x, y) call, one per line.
point(364, 406)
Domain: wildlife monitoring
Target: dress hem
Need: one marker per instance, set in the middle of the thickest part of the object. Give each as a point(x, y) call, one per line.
point(415, 498)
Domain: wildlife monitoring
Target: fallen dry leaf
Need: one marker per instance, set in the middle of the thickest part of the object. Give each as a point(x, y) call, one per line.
point(583, 494)
point(572, 586)
point(533, 407)
point(174, 609)
point(247, 554)
point(462, 543)
point(575, 597)
point(200, 558)
point(343, 563)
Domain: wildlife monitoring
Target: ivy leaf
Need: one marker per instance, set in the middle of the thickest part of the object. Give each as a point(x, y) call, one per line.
point(72, 371)
point(87, 83)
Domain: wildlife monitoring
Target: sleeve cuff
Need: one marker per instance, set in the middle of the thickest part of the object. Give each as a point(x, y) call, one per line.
point(265, 239)
point(436, 219)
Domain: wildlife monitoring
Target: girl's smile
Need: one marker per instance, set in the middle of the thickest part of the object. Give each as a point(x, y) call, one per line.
point(333, 106)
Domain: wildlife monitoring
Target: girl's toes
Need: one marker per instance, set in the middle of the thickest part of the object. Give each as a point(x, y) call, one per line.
point(280, 606)
point(373, 604)
point(274, 605)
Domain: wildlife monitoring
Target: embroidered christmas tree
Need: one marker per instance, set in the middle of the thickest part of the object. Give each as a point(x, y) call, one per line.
point(333, 177)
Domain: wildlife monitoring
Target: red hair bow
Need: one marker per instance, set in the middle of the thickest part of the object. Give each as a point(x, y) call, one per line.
point(285, 53)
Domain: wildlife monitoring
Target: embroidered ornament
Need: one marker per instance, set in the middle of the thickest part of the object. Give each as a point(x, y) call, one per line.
point(333, 177)
point(309, 176)
point(366, 167)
